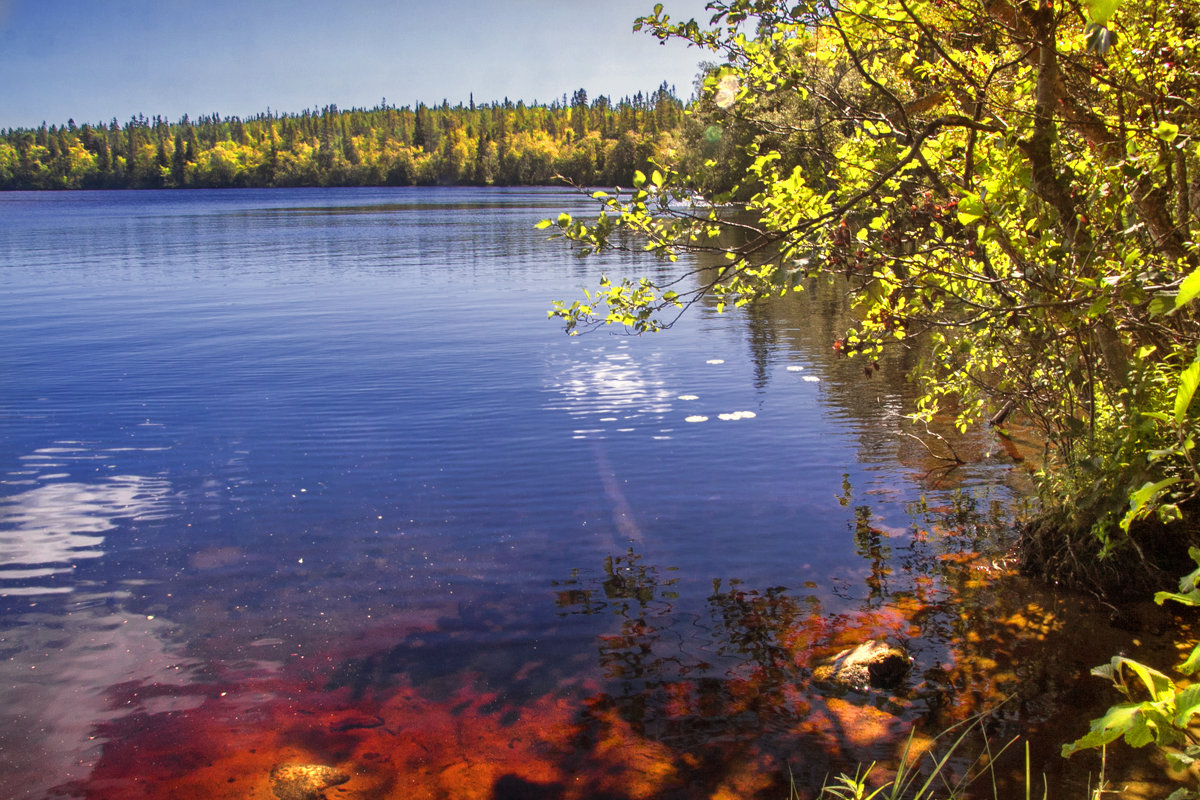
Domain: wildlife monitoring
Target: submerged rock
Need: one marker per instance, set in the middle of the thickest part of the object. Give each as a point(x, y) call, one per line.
point(873, 664)
point(304, 781)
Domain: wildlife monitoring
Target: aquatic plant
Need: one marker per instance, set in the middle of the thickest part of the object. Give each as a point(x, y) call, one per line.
point(934, 774)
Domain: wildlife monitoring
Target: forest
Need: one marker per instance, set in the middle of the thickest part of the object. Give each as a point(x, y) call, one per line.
point(498, 143)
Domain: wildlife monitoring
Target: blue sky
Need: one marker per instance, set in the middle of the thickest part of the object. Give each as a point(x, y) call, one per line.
point(92, 61)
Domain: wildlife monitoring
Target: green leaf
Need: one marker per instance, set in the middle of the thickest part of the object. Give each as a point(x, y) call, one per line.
point(1191, 598)
point(1157, 684)
point(1158, 306)
point(1188, 381)
point(970, 209)
point(1141, 499)
point(1188, 289)
point(1189, 586)
point(1191, 581)
point(1166, 131)
point(544, 224)
point(1101, 11)
point(1119, 719)
point(1187, 705)
point(1139, 733)
point(1192, 663)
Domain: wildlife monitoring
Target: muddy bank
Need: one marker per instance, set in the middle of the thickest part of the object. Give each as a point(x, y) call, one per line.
point(1061, 547)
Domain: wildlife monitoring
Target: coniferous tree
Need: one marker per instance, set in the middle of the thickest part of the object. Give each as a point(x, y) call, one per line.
point(419, 135)
point(579, 108)
point(178, 161)
point(483, 144)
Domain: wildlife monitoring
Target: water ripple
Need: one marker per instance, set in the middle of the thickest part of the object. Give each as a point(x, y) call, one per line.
point(47, 530)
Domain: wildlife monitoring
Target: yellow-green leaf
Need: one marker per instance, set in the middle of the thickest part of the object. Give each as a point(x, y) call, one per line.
point(1101, 11)
point(970, 209)
point(1188, 289)
point(1188, 381)
point(1167, 131)
point(1119, 719)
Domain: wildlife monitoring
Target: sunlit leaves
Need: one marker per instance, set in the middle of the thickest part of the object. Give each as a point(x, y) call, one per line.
point(1189, 585)
point(1101, 11)
point(1166, 131)
point(900, 148)
point(1139, 722)
point(1157, 711)
point(1188, 289)
point(970, 209)
point(1189, 379)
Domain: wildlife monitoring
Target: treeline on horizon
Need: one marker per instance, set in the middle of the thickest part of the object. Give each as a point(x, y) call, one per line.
point(493, 144)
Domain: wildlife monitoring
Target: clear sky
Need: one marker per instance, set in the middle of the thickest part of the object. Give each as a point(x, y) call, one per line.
point(92, 60)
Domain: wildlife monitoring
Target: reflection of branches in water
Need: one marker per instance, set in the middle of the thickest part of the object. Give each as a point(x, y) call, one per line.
point(939, 477)
point(712, 694)
point(723, 681)
point(752, 622)
point(918, 584)
point(965, 520)
point(645, 652)
point(869, 543)
point(704, 696)
point(769, 638)
point(954, 459)
point(732, 685)
point(627, 584)
point(941, 527)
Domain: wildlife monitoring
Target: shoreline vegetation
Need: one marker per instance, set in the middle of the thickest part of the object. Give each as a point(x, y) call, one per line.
point(587, 141)
point(997, 193)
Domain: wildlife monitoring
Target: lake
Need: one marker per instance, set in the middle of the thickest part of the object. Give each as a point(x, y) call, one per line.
point(307, 477)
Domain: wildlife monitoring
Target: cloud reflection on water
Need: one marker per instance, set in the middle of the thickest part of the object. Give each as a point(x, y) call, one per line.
point(66, 674)
point(618, 392)
point(613, 387)
point(45, 531)
point(75, 661)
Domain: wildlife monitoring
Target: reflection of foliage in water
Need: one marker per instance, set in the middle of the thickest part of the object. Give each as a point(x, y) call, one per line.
point(714, 699)
point(740, 673)
point(869, 542)
point(730, 687)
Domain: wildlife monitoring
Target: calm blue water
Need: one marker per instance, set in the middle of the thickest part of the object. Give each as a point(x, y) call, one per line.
point(237, 427)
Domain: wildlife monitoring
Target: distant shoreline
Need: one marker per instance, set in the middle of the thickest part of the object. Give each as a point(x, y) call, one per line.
point(499, 144)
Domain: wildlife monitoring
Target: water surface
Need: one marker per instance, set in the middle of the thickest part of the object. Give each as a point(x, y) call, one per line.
point(307, 476)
